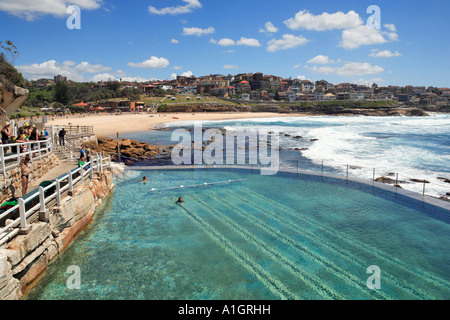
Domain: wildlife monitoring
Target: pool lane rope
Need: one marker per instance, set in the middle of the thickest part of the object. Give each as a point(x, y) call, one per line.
point(415, 271)
point(270, 282)
point(410, 289)
point(206, 184)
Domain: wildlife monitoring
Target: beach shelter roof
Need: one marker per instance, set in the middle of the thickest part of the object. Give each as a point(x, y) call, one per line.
point(81, 104)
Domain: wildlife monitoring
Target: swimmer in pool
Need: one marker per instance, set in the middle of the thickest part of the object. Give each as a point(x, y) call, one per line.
point(180, 200)
point(144, 179)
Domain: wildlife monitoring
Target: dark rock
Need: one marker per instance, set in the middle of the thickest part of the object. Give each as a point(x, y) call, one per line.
point(419, 181)
point(386, 180)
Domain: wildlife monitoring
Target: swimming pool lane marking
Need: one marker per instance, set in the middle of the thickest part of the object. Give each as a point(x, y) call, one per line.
point(339, 272)
point(435, 280)
point(206, 184)
point(273, 284)
point(410, 289)
point(312, 282)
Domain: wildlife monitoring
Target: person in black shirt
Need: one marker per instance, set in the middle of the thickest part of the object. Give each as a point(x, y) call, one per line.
point(62, 135)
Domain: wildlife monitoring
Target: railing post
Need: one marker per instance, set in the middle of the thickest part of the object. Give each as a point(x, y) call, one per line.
point(373, 179)
point(24, 228)
point(91, 169)
point(58, 193)
point(2, 156)
point(98, 163)
point(43, 212)
point(39, 147)
point(109, 161)
point(71, 182)
point(347, 172)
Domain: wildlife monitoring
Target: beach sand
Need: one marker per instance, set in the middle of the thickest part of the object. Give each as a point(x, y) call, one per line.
point(107, 124)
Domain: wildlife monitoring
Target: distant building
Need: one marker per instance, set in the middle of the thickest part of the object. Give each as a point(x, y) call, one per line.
point(403, 98)
point(60, 78)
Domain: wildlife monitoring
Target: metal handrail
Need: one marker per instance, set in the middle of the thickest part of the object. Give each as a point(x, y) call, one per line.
point(10, 230)
point(17, 155)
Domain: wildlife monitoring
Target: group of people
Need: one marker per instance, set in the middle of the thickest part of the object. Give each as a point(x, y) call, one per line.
point(26, 133)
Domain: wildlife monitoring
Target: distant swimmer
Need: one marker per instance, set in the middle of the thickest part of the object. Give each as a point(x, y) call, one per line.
point(180, 200)
point(144, 179)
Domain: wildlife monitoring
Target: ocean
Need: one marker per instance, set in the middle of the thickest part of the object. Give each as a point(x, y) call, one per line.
point(402, 148)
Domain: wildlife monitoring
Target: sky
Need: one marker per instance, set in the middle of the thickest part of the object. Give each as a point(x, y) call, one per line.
point(394, 43)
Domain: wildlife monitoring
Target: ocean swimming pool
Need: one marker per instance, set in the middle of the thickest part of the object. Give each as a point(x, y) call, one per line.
point(287, 236)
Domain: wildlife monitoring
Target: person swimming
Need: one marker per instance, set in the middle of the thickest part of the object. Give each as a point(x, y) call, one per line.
point(180, 200)
point(144, 179)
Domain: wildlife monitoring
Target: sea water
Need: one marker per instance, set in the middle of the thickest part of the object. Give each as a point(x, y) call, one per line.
point(402, 148)
point(240, 235)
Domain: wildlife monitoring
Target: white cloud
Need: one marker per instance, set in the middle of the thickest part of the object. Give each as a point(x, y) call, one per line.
point(349, 69)
point(297, 66)
point(361, 35)
point(69, 69)
point(174, 41)
point(32, 9)
point(188, 74)
point(368, 82)
point(321, 59)
point(269, 28)
point(288, 41)
point(190, 6)
point(248, 42)
point(225, 42)
point(325, 21)
point(177, 67)
point(136, 79)
point(391, 27)
point(385, 54)
point(81, 72)
point(85, 67)
point(198, 31)
point(230, 66)
point(301, 78)
point(152, 63)
point(103, 77)
point(69, 63)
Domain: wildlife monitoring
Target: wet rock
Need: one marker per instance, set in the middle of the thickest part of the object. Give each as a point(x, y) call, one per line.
point(386, 180)
point(419, 181)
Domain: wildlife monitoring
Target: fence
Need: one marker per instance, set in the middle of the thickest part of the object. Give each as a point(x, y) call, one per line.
point(73, 130)
point(39, 149)
point(43, 198)
point(347, 171)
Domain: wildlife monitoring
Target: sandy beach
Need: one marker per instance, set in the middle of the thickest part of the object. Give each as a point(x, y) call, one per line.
point(107, 124)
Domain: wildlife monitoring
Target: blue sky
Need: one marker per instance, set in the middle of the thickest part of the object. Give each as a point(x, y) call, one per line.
point(157, 39)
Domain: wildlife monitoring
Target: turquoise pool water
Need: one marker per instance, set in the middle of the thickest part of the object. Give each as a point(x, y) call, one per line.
point(279, 237)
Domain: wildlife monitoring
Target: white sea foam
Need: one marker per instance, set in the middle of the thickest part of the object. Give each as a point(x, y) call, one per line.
point(412, 147)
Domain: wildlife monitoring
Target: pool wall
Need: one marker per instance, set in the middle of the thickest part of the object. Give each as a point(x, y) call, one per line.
point(26, 257)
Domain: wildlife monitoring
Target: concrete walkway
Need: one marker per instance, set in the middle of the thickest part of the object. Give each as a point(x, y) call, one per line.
point(64, 167)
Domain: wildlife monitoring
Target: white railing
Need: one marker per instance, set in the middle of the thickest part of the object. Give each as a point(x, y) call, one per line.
point(36, 149)
point(44, 197)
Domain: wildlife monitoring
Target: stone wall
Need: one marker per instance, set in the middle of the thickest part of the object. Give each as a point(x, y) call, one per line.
point(38, 168)
point(26, 257)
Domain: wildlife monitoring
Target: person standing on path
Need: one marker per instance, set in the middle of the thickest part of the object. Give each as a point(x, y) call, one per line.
point(62, 135)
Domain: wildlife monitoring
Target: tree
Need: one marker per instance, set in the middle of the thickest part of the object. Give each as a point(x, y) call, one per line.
point(62, 93)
